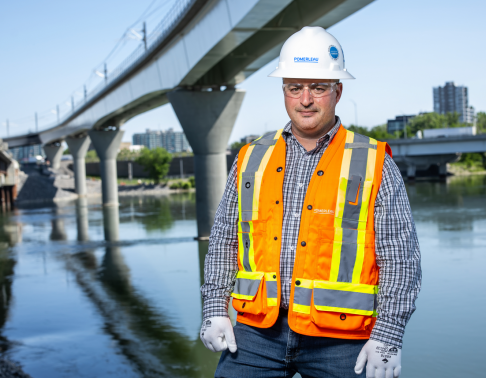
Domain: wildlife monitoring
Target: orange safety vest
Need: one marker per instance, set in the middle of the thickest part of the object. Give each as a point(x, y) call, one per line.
point(335, 276)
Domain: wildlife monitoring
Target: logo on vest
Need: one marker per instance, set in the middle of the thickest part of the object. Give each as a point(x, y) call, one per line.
point(324, 211)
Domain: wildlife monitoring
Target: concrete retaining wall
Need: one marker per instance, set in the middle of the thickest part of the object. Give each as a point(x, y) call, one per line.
point(93, 169)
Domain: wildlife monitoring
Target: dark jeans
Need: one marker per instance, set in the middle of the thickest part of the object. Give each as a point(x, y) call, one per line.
point(280, 352)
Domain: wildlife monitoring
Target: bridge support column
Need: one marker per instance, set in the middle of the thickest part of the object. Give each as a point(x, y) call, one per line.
point(207, 119)
point(82, 219)
point(411, 169)
point(78, 146)
point(106, 144)
point(54, 153)
point(442, 170)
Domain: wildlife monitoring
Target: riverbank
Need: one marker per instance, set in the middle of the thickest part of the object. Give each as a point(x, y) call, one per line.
point(48, 185)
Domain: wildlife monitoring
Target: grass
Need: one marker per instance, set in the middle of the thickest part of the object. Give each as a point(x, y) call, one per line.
point(126, 181)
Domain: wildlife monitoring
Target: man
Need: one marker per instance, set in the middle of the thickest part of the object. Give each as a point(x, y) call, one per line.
point(313, 239)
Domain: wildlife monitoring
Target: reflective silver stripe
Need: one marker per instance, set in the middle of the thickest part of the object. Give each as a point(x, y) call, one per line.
point(272, 290)
point(246, 248)
point(248, 176)
point(245, 226)
point(302, 296)
point(264, 142)
point(361, 145)
point(344, 299)
point(357, 174)
point(247, 189)
point(353, 187)
point(245, 286)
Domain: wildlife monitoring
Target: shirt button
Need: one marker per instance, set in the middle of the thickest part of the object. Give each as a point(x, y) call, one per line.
point(303, 244)
point(275, 238)
point(309, 207)
point(277, 202)
point(320, 173)
point(274, 276)
point(279, 169)
point(297, 282)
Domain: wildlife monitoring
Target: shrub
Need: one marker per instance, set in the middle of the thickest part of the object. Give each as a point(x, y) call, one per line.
point(156, 162)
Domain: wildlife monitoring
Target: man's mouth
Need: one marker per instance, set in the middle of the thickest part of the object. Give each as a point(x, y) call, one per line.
point(307, 113)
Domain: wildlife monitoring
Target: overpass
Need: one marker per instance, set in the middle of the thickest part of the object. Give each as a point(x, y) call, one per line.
point(413, 154)
point(193, 59)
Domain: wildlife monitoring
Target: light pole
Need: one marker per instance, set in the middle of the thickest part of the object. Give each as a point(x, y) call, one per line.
point(355, 112)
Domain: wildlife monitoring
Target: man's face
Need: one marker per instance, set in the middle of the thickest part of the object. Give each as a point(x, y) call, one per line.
point(311, 114)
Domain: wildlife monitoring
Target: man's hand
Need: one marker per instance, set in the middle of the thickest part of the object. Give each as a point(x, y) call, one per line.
point(217, 334)
point(384, 361)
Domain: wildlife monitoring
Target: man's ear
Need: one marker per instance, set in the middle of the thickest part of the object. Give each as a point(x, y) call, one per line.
point(339, 92)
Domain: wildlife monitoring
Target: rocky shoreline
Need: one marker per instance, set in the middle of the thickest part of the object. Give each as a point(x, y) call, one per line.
point(39, 184)
point(10, 369)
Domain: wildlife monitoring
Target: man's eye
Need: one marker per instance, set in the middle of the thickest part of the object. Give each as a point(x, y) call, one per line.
point(320, 89)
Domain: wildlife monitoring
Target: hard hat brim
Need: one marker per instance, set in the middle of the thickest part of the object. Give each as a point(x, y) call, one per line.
point(312, 74)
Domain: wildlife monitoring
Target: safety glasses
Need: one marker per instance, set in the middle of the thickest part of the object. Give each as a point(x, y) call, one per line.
point(295, 90)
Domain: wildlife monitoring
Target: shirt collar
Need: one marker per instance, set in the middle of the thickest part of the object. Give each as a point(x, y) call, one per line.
point(288, 135)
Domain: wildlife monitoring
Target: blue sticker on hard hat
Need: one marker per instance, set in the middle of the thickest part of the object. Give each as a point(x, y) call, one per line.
point(333, 51)
point(305, 59)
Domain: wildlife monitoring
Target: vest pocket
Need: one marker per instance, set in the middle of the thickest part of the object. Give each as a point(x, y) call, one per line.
point(343, 306)
point(248, 295)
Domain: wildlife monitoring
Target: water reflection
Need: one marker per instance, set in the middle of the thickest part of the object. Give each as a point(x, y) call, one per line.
point(82, 219)
point(453, 206)
point(57, 231)
point(149, 339)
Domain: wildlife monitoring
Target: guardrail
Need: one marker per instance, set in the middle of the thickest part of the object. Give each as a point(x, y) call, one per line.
point(57, 116)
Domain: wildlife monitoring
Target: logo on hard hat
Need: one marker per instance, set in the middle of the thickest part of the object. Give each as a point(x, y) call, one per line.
point(333, 51)
point(305, 59)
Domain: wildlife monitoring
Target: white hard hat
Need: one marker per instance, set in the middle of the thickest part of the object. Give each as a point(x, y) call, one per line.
point(311, 53)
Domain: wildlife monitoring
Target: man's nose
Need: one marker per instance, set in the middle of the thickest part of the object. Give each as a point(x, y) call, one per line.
point(306, 98)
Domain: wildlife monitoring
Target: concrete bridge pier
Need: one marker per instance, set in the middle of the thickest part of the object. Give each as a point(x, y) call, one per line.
point(54, 153)
point(106, 144)
point(207, 118)
point(82, 222)
point(78, 146)
point(411, 171)
point(442, 170)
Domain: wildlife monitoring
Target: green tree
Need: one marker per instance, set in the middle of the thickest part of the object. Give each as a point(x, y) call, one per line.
point(155, 162)
point(377, 132)
point(481, 122)
point(237, 145)
point(92, 157)
point(126, 154)
point(66, 152)
point(433, 121)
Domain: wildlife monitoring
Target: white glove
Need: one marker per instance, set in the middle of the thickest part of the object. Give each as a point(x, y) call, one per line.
point(217, 334)
point(384, 361)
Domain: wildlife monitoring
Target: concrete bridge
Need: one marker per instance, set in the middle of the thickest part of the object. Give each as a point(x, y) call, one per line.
point(413, 154)
point(193, 59)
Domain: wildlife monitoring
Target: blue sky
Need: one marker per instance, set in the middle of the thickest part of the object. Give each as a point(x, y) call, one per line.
point(398, 50)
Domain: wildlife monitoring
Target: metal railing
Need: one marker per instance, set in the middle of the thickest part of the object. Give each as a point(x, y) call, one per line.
point(60, 113)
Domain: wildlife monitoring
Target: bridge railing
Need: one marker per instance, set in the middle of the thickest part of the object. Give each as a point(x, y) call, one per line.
point(60, 113)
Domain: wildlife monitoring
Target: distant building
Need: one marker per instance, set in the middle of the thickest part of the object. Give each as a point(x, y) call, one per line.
point(125, 145)
point(398, 124)
point(26, 152)
point(172, 141)
point(249, 138)
point(451, 98)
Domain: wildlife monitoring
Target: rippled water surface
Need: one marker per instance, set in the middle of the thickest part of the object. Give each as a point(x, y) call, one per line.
point(88, 292)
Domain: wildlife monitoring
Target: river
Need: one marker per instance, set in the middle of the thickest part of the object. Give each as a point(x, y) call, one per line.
point(93, 292)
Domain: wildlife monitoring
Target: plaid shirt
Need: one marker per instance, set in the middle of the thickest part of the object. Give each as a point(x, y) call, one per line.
point(396, 243)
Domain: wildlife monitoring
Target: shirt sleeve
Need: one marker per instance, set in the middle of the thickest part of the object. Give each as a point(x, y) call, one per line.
point(397, 255)
point(221, 264)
